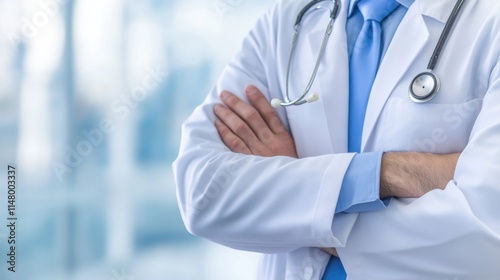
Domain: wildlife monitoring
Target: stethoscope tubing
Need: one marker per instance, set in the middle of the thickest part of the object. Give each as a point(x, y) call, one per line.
point(418, 83)
point(444, 35)
point(333, 16)
point(300, 100)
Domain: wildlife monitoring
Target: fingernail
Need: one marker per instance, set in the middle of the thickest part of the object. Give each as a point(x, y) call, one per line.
point(224, 95)
point(251, 90)
point(217, 108)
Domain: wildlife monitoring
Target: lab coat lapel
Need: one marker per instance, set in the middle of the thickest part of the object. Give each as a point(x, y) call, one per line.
point(411, 36)
point(437, 9)
point(333, 80)
point(308, 122)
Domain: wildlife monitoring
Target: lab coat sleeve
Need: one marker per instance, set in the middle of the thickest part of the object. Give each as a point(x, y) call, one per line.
point(446, 234)
point(273, 204)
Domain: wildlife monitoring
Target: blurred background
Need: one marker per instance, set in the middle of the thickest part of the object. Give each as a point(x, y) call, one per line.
point(92, 96)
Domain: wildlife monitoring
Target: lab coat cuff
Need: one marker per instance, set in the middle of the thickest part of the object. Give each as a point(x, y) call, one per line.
point(326, 232)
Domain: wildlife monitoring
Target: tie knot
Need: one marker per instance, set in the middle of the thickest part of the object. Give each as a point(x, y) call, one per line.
point(376, 10)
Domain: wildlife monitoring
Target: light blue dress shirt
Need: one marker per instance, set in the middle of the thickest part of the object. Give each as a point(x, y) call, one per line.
point(360, 190)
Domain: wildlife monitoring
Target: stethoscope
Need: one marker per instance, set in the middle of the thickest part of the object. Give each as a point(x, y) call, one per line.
point(422, 88)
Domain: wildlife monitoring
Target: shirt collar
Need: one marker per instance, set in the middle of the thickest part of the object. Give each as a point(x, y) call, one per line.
point(352, 4)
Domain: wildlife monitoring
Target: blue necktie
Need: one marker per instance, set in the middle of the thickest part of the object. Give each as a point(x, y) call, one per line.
point(363, 65)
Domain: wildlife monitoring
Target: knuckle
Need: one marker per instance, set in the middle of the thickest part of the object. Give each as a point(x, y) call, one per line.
point(240, 129)
point(268, 137)
point(222, 113)
point(270, 112)
point(232, 99)
point(223, 131)
point(276, 123)
point(235, 144)
point(219, 126)
point(251, 114)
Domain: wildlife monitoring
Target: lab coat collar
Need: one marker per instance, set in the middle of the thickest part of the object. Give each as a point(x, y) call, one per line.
point(437, 9)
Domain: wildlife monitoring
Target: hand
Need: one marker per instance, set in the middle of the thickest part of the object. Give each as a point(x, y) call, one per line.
point(411, 175)
point(331, 251)
point(253, 128)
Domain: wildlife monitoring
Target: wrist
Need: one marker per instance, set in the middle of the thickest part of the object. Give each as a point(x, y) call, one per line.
point(411, 174)
point(390, 180)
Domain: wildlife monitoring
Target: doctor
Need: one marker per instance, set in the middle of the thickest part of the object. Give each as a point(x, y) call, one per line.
point(311, 176)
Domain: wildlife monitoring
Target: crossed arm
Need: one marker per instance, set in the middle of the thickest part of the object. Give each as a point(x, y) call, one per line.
point(256, 129)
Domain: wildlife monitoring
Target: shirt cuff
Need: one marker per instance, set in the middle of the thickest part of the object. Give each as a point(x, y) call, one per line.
point(360, 191)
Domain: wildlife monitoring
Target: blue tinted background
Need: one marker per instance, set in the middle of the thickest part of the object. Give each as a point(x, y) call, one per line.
point(92, 96)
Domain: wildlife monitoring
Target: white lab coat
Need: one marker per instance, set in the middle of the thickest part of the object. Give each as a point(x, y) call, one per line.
point(284, 207)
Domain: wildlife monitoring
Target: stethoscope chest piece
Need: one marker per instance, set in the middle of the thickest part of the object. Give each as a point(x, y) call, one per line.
point(424, 87)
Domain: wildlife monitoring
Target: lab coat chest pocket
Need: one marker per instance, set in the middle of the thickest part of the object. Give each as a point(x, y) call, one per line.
point(428, 127)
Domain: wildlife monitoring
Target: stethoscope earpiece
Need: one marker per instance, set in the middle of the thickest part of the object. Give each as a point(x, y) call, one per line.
point(424, 87)
point(276, 103)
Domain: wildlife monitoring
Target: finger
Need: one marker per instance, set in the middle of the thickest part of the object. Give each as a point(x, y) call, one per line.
point(238, 126)
point(268, 113)
point(248, 114)
point(233, 142)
